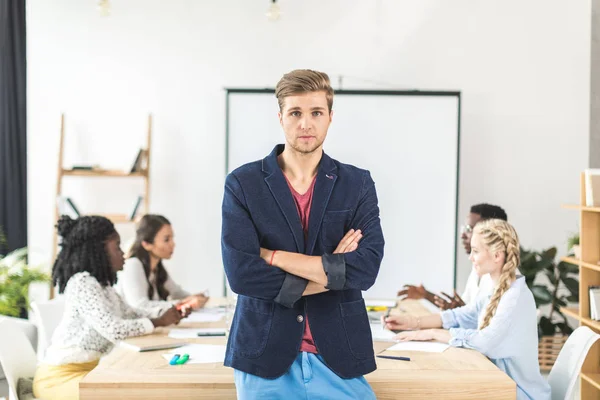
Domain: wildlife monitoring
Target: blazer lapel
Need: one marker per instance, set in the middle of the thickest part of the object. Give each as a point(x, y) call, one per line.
point(326, 178)
point(281, 192)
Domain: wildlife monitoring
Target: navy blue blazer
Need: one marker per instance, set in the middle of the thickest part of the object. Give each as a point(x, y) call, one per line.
point(267, 328)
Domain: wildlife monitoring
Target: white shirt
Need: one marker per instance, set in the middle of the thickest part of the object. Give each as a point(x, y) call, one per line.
point(95, 319)
point(476, 285)
point(133, 285)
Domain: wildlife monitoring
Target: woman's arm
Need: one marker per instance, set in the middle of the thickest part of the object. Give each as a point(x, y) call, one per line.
point(97, 309)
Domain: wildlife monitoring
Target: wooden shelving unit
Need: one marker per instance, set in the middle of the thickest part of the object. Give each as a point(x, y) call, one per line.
point(101, 173)
point(589, 275)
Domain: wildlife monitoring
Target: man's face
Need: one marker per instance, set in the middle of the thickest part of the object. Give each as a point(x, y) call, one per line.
point(467, 230)
point(305, 119)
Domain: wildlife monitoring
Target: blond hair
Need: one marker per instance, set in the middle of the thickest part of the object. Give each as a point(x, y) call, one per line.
point(500, 236)
point(303, 81)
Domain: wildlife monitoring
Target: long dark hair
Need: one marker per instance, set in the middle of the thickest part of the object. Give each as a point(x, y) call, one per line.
point(149, 226)
point(83, 250)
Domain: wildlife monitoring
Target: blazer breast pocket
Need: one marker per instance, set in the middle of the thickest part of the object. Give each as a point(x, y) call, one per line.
point(334, 227)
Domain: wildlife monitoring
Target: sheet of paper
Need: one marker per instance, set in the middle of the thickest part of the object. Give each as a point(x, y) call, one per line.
point(199, 316)
point(429, 347)
point(199, 353)
point(381, 303)
point(193, 333)
point(381, 335)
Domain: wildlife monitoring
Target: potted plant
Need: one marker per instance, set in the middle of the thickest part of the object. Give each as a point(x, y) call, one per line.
point(552, 285)
point(15, 278)
point(573, 245)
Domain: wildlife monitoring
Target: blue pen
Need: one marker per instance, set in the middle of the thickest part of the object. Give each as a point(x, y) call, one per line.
point(396, 358)
point(174, 359)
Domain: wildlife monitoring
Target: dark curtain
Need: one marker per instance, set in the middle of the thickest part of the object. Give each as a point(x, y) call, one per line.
point(13, 129)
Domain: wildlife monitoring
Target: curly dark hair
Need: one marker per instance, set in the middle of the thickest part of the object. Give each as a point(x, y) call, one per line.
point(147, 229)
point(489, 211)
point(83, 250)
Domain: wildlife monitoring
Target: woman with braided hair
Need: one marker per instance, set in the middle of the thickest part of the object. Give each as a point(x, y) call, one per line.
point(95, 317)
point(501, 326)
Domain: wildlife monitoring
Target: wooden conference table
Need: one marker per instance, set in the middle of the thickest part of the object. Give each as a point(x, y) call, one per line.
point(453, 374)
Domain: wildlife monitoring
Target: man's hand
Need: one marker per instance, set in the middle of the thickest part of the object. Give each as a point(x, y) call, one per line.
point(349, 242)
point(449, 302)
point(413, 292)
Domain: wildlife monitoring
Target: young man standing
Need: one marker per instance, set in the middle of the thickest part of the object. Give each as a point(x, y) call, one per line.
point(301, 239)
point(475, 284)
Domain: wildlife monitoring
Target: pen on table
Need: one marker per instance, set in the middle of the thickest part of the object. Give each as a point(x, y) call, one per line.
point(174, 359)
point(395, 358)
point(202, 334)
point(183, 359)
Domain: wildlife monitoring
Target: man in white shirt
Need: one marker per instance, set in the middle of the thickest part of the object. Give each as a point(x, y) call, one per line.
point(479, 212)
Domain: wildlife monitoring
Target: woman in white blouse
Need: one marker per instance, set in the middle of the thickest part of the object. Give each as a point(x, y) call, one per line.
point(95, 317)
point(502, 325)
point(144, 281)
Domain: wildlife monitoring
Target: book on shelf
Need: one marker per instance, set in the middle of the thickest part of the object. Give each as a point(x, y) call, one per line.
point(141, 161)
point(136, 208)
point(594, 302)
point(592, 187)
point(67, 207)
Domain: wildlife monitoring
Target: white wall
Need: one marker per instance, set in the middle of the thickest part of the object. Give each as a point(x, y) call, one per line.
point(522, 66)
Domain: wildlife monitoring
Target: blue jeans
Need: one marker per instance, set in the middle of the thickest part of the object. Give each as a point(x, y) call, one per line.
point(307, 378)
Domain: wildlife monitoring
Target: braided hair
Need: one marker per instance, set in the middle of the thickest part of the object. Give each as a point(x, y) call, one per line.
point(83, 250)
point(500, 236)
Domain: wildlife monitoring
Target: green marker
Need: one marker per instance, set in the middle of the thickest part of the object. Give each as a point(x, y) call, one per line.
point(183, 359)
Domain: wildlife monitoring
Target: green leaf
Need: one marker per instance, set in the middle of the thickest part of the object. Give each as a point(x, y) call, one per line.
point(16, 276)
point(549, 254)
point(572, 285)
point(546, 326)
point(559, 303)
point(541, 293)
point(564, 328)
point(552, 278)
point(565, 267)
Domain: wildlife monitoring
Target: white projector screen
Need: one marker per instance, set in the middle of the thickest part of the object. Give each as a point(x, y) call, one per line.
point(409, 141)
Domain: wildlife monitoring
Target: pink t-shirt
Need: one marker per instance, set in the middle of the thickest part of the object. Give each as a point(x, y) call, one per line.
point(303, 203)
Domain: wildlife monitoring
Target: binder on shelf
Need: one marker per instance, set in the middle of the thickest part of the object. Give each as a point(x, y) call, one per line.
point(136, 163)
point(67, 207)
point(141, 161)
point(592, 187)
point(136, 208)
point(594, 302)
